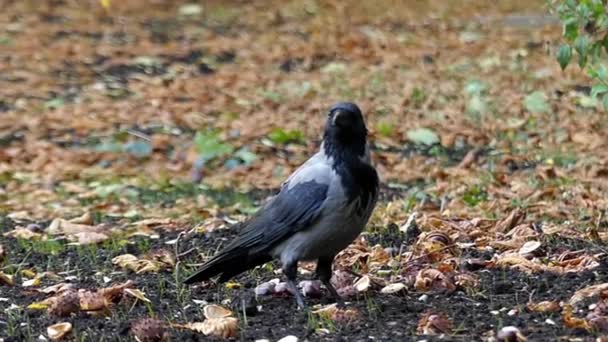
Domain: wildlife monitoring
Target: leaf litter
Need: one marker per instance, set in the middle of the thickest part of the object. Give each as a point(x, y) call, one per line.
point(497, 179)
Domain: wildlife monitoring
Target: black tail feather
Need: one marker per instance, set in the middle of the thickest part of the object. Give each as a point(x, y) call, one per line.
point(228, 264)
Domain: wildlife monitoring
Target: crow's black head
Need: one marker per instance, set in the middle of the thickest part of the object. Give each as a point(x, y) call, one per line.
point(345, 128)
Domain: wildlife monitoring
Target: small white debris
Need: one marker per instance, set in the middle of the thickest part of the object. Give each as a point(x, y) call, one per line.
point(423, 298)
point(288, 338)
point(512, 312)
point(495, 312)
point(550, 321)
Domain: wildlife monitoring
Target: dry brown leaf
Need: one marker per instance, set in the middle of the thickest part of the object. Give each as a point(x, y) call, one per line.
point(529, 247)
point(573, 322)
point(87, 238)
point(86, 219)
point(225, 327)
point(115, 293)
point(60, 226)
point(336, 314)
point(6, 279)
point(23, 233)
point(152, 262)
point(194, 326)
point(544, 306)
point(58, 331)
point(57, 288)
point(506, 224)
point(466, 280)
point(433, 280)
point(589, 291)
point(151, 222)
point(93, 301)
point(434, 323)
point(518, 262)
point(137, 294)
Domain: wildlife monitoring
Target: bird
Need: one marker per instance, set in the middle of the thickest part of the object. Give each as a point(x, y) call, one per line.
point(318, 211)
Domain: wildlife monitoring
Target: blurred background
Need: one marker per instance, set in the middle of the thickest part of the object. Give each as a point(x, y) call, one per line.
point(130, 107)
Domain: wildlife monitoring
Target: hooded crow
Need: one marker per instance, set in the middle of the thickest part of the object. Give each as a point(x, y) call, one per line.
point(320, 209)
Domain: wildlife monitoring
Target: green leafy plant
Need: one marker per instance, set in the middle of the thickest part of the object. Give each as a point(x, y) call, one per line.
point(281, 136)
point(209, 146)
point(585, 30)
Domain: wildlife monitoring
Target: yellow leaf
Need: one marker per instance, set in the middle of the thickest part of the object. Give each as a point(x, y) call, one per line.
point(39, 305)
point(31, 282)
point(137, 294)
point(231, 285)
point(105, 4)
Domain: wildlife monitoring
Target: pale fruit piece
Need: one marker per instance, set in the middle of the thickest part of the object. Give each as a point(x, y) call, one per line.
point(362, 284)
point(57, 331)
point(212, 311)
point(393, 288)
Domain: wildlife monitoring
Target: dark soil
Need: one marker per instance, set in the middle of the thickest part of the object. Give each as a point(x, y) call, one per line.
point(383, 317)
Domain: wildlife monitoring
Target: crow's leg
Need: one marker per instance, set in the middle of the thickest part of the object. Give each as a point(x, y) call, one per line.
point(290, 270)
point(324, 272)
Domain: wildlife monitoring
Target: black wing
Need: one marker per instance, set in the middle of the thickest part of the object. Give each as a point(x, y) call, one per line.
point(292, 210)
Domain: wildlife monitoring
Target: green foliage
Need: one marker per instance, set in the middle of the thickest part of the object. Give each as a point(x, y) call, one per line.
point(423, 136)
point(536, 102)
point(386, 128)
point(281, 136)
point(475, 195)
point(209, 146)
point(585, 30)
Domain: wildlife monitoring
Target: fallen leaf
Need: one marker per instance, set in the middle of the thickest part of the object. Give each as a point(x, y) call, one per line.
point(544, 306)
point(573, 322)
point(93, 301)
point(513, 219)
point(137, 294)
point(393, 288)
point(529, 248)
point(57, 288)
point(86, 219)
point(423, 136)
point(23, 233)
point(433, 280)
point(57, 331)
point(336, 314)
point(31, 282)
point(60, 226)
point(586, 292)
point(6, 279)
point(87, 238)
point(434, 323)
